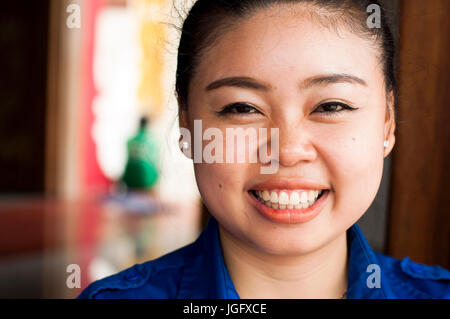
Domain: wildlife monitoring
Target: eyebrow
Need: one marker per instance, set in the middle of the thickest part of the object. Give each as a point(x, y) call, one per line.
point(331, 79)
point(239, 81)
point(250, 83)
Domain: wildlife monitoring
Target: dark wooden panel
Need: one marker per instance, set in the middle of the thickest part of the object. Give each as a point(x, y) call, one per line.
point(420, 198)
point(23, 58)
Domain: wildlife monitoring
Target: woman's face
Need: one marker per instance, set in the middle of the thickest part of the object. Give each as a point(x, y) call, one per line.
point(296, 66)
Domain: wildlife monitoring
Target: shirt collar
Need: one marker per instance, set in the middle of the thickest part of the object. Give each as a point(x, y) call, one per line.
point(205, 274)
point(361, 256)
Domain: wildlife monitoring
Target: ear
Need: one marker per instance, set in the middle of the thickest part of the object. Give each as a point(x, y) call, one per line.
point(389, 124)
point(182, 115)
point(185, 135)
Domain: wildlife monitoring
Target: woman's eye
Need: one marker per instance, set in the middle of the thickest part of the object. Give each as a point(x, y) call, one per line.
point(333, 107)
point(241, 108)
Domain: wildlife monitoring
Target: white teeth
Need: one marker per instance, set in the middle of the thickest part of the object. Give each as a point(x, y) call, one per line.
point(283, 199)
point(294, 199)
point(304, 197)
point(311, 196)
point(274, 197)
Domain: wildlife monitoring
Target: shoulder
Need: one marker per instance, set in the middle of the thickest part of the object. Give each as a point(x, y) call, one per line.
point(158, 278)
point(408, 279)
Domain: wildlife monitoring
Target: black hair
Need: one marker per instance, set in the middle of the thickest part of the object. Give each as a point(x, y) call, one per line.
point(209, 19)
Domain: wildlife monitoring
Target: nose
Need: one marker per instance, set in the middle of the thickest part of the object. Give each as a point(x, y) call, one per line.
point(295, 147)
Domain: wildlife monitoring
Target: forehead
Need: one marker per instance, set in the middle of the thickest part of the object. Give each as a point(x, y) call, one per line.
point(282, 43)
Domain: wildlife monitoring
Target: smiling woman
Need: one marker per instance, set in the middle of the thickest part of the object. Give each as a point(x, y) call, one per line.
point(319, 74)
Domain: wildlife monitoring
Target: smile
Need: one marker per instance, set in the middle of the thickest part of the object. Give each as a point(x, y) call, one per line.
point(287, 199)
point(282, 202)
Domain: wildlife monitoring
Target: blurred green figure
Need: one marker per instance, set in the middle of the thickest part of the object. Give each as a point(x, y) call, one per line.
point(141, 170)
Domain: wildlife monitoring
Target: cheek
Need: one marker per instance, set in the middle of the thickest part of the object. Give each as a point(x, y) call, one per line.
point(228, 156)
point(220, 186)
point(354, 160)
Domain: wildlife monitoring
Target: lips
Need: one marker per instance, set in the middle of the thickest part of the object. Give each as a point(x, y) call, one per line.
point(285, 201)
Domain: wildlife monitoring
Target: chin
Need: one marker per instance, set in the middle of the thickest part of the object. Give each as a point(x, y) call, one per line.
point(281, 241)
point(292, 245)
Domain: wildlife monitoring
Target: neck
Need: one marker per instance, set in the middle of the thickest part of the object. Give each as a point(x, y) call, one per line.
point(257, 275)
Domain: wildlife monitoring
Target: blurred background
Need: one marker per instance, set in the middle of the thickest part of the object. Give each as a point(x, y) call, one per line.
point(90, 169)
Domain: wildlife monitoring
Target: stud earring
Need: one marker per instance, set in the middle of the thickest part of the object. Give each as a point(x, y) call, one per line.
point(184, 145)
point(386, 143)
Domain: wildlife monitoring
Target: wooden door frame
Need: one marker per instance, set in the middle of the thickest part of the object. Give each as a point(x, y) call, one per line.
point(420, 189)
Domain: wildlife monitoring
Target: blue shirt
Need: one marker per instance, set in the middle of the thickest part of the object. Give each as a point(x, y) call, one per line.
point(198, 271)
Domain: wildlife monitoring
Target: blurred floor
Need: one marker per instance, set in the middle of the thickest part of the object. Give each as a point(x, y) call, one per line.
point(40, 237)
